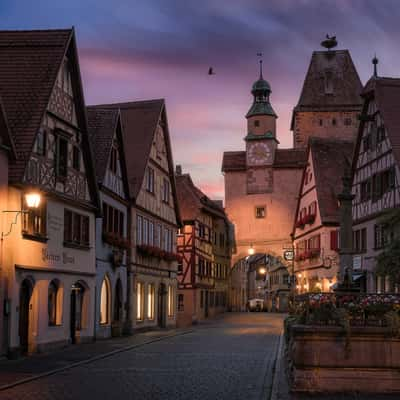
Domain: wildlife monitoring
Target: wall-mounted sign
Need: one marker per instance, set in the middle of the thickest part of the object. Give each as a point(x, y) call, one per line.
point(356, 263)
point(288, 255)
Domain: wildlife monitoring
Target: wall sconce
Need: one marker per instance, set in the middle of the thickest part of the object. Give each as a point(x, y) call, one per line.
point(251, 250)
point(262, 271)
point(32, 200)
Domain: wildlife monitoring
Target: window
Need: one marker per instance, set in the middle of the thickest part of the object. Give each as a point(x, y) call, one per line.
point(34, 220)
point(157, 239)
point(166, 191)
point(365, 190)
point(151, 233)
point(139, 301)
point(256, 123)
point(312, 209)
point(105, 301)
point(145, 234)
point(328, 82)
point(62, 157)
point(334, 121)
point(347, 121)
point(180, 267)
point(367, 142)
point(171, 304)
point(260, 211)
point(202, 231)
point(52, 303)
point(41, 142)
point(150, 301)
point(180, 302)
point(76, 229)
point(381, 236)
point(167, 245)
point(201, 298)
point(113, 159)
point(150, 179)
point(335, 240)
point(321, 122)
point(221, 240)
point(113, 220)
point(139, 229)
point(76, 158)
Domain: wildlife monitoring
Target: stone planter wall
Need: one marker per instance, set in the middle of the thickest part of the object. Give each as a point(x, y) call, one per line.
point(319, 360)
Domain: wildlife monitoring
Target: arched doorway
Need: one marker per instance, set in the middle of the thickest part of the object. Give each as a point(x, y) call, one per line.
point(77, 292)
point(162, 293)
point(118, 303)
point(25, 294)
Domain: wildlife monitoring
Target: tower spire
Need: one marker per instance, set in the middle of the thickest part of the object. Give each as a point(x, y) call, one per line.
point(261, 62)
point(375, 61)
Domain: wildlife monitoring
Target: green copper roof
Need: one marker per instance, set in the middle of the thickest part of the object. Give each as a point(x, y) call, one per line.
point(267, 135)
point(260, 85)
point(261, 108)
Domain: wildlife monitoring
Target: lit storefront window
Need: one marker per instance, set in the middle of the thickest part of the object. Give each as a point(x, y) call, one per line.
point(139, 301)
point(150, 301)
point(170, 301)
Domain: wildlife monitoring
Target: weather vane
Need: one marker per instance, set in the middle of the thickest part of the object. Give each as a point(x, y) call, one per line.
point(260, 55)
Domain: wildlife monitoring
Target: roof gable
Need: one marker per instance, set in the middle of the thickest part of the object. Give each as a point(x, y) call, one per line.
point(29, 63)
point(331, 82)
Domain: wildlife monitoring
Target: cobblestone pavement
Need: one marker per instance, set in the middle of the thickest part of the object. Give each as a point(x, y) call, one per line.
point(229, 358)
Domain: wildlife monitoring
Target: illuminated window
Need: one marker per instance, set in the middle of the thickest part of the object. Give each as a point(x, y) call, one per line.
point(150, 301)
point(52, 303)
point(260, 212)
point(139, 301)
point(104, 301)
point(171, 304)
point(34, 221)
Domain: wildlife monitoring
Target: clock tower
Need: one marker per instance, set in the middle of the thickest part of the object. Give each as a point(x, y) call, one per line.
point(261, 139)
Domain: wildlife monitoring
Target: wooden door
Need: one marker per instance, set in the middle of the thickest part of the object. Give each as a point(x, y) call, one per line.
point(24, 300)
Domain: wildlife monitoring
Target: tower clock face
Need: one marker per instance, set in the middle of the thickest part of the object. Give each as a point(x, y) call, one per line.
point(259, 153)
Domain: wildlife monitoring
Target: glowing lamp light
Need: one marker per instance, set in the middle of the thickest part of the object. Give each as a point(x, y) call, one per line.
point(299, 275)
point(32, 199)
point(262, 270)
point(318, 285)
point(251, 250)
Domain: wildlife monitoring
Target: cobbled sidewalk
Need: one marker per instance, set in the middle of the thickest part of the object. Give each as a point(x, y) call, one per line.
point(12, 371)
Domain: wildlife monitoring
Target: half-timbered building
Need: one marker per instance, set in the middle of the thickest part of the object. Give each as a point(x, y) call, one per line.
point(204, 244)
point(48, 234)
point(152, 282)
point(375, 173)
point(112, 242)
point(316, 224)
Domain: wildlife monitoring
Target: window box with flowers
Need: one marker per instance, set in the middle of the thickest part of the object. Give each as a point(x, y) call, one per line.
point(154, 251)
point(116, 240)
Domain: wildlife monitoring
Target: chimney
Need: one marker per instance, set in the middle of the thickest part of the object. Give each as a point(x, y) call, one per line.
point(178, 170)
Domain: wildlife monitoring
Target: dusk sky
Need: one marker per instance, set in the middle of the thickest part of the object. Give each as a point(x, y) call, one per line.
point(136, 50)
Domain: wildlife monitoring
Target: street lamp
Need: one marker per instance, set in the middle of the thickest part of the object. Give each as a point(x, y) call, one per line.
point(32, 200)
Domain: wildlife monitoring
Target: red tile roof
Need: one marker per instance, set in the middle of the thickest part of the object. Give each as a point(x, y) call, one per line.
point(330, 158)
point(29, 63)
point(284, 158)
point(346, 83)
point(192, 200)
point(102, 125)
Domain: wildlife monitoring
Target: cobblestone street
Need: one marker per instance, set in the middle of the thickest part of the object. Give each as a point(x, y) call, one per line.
point(228, 358)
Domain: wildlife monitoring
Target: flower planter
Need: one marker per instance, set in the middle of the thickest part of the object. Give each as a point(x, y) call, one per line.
point(320, 361)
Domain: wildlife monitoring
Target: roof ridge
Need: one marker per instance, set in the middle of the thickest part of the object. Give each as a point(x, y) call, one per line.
point(127, 103)
point(36, 30)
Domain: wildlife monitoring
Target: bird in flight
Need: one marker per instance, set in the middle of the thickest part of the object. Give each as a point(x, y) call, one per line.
point(211, 71)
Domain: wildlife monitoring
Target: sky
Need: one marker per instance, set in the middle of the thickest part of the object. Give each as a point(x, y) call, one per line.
point(144, 49)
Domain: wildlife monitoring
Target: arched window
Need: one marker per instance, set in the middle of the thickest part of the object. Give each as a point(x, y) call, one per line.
point(104, 301)
point(52, 303)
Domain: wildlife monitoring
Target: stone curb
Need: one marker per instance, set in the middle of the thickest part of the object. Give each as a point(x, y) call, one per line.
point(277, 370)
point(89, 360)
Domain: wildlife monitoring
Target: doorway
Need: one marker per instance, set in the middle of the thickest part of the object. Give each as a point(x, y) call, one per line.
point(77, 291)
point(25, 294)
point(206, 303)
point(162, 292)
point(118, 302)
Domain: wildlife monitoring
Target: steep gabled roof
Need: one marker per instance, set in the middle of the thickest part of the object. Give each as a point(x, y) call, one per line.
point(139, 122)
point(386, 92)
point(103, 125)
point(284, 158)
point(346, 83)
point(330, 158)
point(192, 200)
point(29, 63)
